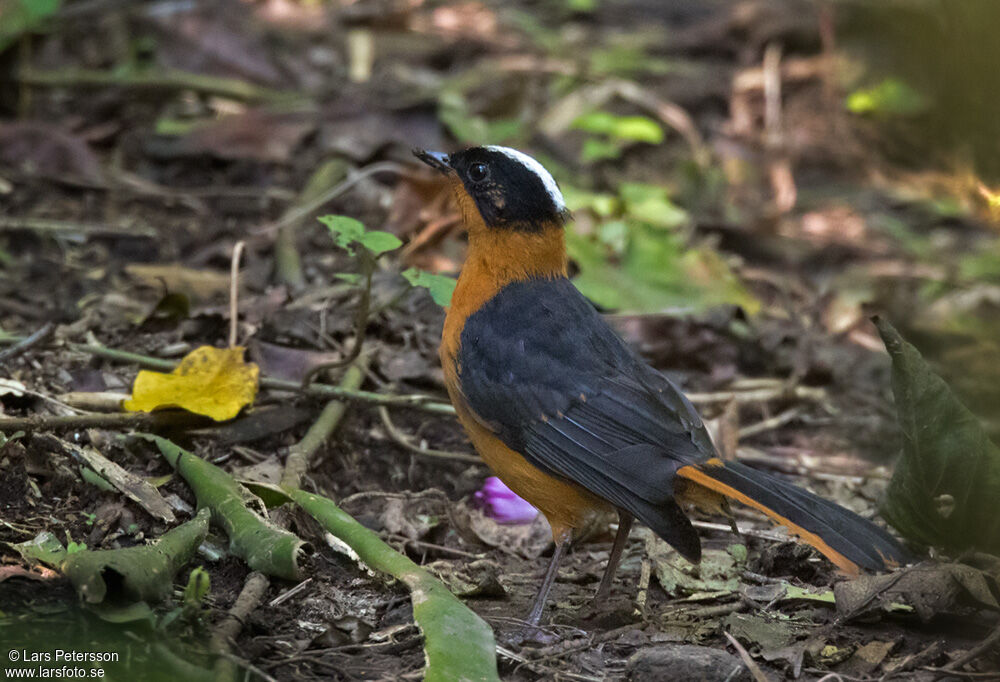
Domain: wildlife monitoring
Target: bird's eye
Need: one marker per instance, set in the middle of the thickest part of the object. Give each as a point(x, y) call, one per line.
point(479, 172)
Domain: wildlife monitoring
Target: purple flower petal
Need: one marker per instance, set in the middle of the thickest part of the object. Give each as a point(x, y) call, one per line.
point(502, 504)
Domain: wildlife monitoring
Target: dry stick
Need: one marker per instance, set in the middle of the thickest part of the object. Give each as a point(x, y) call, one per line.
point(11, 223)
point(401, 438)
point(751, 665)
point(771, 423)
point(229, 627)
point(748, 532)
point(130, 420)
point(155, 80)
point(334, 192)
point(760, 395)
point(21, 346)
point(234, 293)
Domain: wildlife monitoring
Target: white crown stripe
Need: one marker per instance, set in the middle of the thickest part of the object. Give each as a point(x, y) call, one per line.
point(538, 169)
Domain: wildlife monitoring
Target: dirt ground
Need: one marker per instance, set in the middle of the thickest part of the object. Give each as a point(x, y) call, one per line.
point(121, 203)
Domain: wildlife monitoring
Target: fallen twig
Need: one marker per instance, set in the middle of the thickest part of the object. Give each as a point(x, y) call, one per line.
point(27, 342)
point(972, 654)
point(127, 420)
point(155, 79)
point(771, 423)
point(760, 395)
point(225, 632)
point(751, 665)
point(234, 293)
point(11, 223)
point(334, 192)
point(400, 438)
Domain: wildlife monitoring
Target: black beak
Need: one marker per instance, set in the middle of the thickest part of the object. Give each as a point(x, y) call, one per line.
point(436, 160)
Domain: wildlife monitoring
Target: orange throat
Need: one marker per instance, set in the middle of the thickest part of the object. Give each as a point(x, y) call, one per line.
point(497, 257)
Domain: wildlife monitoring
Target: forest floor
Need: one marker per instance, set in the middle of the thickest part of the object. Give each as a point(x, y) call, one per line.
point(124, 188)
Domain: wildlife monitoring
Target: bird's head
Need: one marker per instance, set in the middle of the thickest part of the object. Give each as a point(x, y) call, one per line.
point(503, 188)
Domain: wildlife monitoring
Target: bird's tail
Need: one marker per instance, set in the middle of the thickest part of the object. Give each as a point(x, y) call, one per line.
point(848, 540)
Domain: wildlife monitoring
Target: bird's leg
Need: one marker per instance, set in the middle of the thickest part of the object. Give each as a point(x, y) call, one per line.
point(535, 617)
point(624, 526)
point(728, 511)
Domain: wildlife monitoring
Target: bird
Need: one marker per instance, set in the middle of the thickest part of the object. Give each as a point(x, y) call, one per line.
point(566, 414)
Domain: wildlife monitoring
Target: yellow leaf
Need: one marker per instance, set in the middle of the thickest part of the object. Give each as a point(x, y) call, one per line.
point(215, 382)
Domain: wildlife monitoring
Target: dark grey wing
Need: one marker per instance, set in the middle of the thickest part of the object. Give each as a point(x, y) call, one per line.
point(552, 380)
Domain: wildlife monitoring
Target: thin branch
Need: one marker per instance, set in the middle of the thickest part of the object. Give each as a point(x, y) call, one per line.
point(47, 225)
point(126, 420)
point(225, 632)
point(760, 395)
point(424, 403)
point(771, 423)
point(28, 342)
point(234, 293)
point(334, 192)
point(400, 438)
point(155, 79)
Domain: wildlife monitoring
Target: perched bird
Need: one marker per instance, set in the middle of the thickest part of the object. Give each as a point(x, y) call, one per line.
point(562, 409)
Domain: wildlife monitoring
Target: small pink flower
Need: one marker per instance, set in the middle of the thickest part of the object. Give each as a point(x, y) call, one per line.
point(502, 504)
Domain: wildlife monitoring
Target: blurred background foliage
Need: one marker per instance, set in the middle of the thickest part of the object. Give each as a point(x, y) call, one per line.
point(722, 152)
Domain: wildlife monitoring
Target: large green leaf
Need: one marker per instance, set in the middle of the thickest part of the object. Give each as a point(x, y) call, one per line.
point(945, 488)
point(654, 271)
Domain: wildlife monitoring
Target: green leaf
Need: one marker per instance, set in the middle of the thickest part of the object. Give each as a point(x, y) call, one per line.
point(346, 231)
point(141, 573)
point(655, 271)
point(638, 129)
point(595, 149)
point(600, 122)
point(620, 128)
point(890, 97)
point(944, 489)
point(652, 204)
point(379, 242)
point(198, 586)
point(603, 205)
point(439, 286)
point(349, 277)
point(45, 547)
point(18, 17)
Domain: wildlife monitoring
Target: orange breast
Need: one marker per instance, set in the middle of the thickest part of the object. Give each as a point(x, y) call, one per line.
point(494, 260)
point(565, 505)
